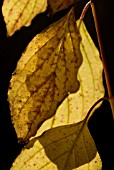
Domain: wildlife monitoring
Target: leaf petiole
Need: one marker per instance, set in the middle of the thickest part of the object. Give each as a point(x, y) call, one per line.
point(93, 106)
point(84, 12)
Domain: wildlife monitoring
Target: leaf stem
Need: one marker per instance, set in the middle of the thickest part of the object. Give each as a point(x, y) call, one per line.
point(108, 83)
point(83, 13)
point(93, 106)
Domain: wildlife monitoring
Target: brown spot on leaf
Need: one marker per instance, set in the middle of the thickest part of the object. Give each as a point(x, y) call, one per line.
point(47, 80)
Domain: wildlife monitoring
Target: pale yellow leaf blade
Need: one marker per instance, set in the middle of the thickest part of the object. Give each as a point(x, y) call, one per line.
point(44, 76)
point(69, 147)
point(18, 13)
point(57, 5)
point(75, 107)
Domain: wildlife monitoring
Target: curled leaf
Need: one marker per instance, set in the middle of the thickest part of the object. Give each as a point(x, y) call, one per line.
point(18, 13)
point(57, 5)
point(44, 76)
point(69, 147)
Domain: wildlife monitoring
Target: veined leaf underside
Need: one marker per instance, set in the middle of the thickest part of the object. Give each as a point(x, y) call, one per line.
point(45, 76)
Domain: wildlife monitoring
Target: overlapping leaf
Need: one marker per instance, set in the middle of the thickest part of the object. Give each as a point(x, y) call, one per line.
point(75, 107)
point(69, 147)
point(44, 76)
point(18, 13)
point(57, 5)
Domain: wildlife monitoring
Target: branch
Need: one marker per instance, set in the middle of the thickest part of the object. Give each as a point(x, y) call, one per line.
point(108, 83)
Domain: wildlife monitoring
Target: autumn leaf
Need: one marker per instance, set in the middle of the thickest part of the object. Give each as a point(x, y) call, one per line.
point(57, 5)
point(18, 13)
point(76, 106)
point(45, 75)
point(68, 147)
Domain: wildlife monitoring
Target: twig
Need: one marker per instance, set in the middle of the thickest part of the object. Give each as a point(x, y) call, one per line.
point(108, 83)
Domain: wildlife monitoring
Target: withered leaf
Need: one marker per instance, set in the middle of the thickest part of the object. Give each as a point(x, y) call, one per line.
point(45, 74)
point(18, 13)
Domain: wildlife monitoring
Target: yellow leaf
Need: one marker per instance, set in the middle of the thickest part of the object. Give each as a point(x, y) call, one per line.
point(44, 76)
point(75, 107)
point(18, 13)
point(57, 5)
point(69, 147)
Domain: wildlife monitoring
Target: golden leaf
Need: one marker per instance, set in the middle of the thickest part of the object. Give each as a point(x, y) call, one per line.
point(44, 76)
point(57, 5)
point(18, 13)
point(68, 147)
point(76, 106)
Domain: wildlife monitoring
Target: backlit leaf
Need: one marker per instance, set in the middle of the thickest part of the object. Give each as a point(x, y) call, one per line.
point(57, 5)
point(69, 147)
point(18, 13)
point(44, 76)
point(75, 107)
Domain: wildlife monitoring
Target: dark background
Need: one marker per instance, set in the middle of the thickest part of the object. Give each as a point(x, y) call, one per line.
point(101, 124)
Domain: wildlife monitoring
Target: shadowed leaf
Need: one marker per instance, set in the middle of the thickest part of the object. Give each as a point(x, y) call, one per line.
point(44, 76)
point(18, 13)
point(69, 147)
point(57, 5)
point(75, 107)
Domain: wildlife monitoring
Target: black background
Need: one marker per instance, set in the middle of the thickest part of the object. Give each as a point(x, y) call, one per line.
point(101, 124)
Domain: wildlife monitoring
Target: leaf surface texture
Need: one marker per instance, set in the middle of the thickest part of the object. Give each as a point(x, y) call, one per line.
point(44, 76)
point(76, 106)
point(18, 13)
point(68, 147)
